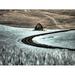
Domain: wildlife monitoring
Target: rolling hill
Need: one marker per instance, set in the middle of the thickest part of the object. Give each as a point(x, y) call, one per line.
point(52, 19)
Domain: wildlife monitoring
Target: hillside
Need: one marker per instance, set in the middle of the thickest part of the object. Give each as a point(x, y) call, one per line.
point(48, 18)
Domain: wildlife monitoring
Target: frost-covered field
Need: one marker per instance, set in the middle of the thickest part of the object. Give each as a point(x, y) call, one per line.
point(14, 52)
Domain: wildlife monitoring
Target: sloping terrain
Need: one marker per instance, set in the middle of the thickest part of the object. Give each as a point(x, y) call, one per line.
point(14, 52)
point(62, 39)
point(48, 18)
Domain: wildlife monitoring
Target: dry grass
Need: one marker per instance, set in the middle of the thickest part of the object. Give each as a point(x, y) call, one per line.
point(29, 18)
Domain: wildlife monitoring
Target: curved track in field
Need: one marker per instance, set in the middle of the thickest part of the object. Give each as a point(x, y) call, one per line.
point(28, 40)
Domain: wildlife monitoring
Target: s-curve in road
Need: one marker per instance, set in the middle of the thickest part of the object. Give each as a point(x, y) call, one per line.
point(64, 39)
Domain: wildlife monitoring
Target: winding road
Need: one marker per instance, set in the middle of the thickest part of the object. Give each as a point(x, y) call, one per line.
point(29, 41)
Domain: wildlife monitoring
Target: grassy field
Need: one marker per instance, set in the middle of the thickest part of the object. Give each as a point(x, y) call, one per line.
point(11, 53)
point(16, 56)
point(14, 52)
